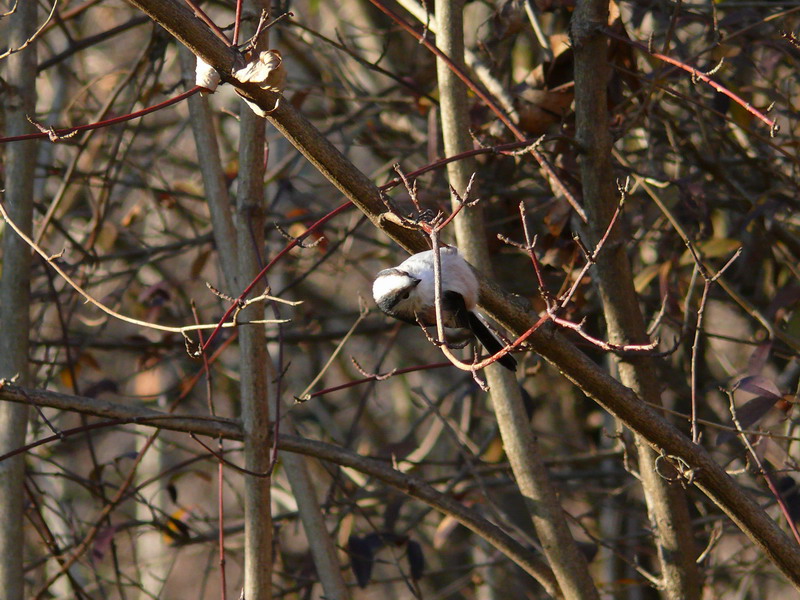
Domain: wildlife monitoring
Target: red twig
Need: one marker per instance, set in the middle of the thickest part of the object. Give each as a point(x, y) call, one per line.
point(235, 305)
point(207, 20)
point(220, 470)
point(485, 98)
point(373, 377)
point(770, 483)
point(55, 134)
point(696, 74)
point(237, 22)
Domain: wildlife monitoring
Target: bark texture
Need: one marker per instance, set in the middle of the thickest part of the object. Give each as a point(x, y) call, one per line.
point(568, 563)
point(20, 79)
point(666, 500)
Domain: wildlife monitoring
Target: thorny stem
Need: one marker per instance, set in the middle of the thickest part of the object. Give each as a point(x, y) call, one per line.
point(591, 257)
point(488, 101)
point(221, 462)
point(767, 477)
point(437, 288)
point(110, 311)
point(56, 134)
point(696, 74)
point(698, 332)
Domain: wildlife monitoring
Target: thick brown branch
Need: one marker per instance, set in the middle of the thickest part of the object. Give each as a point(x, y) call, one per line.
point(576, 366)
point(231, 429)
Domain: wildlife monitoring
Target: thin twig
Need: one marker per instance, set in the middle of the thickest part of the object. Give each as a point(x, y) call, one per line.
point(767, 477)
point(362, 313)
point(109, 311)
point(36, 34)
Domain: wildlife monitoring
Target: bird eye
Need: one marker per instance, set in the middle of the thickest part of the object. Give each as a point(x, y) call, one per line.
point(404, 295)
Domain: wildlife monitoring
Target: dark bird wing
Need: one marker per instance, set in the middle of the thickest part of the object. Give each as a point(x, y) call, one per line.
point(454, 309)
point(491, 343)
point(453, 303)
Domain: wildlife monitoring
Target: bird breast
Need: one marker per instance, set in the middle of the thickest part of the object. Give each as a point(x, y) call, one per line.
point(457, 275)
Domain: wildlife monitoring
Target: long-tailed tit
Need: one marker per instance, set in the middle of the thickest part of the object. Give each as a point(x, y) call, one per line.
point(406, 292)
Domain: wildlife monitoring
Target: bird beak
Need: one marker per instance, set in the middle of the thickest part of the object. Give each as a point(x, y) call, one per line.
point(414, 279)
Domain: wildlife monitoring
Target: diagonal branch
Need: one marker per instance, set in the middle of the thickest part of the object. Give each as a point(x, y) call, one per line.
point(576, 366)
point(231, 429)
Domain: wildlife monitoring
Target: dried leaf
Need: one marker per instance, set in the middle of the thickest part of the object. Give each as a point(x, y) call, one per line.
point(645, 276)
point(443, 531)
point(266, 71)
point(790, 493)
point(713, 248)
point(198, 263)
point(774, 453)
point(102, 542)
point(101, 387)
point(416, 560)
point(362, 558)
point(758, 359)
point(755, 409)
point(175, 528)
point(758, 384)
point(172, 490)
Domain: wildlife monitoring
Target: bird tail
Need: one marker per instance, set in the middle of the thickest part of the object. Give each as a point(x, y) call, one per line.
point(489, 341)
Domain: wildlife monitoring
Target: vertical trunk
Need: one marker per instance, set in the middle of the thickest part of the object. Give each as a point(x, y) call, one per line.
point(152, 551)
point(568, 564)
point(666, 502)
point(20, 100)
point(255, 364)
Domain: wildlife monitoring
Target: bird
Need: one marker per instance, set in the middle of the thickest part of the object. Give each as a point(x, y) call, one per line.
point(406, 292)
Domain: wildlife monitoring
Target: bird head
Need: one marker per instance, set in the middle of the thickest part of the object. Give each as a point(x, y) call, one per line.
point(394, 293)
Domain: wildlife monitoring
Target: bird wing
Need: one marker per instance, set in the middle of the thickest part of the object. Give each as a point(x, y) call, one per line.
point(489, 341)
point(454, 306)
point(453, 303)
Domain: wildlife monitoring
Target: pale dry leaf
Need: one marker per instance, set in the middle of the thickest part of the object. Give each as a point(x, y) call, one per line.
point(266, 71)
point(206, 76)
